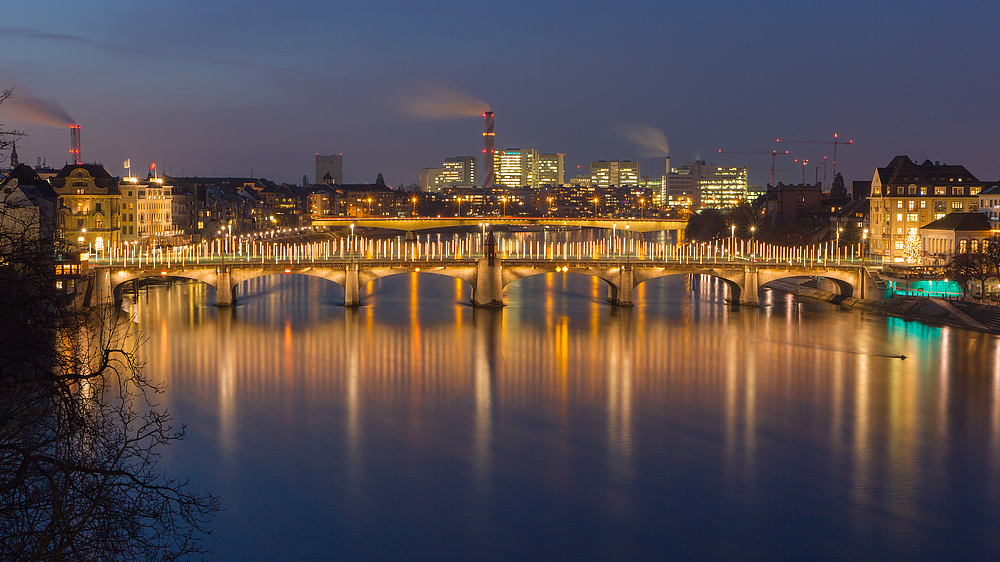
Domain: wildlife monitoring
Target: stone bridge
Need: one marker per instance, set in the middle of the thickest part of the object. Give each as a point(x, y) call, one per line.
point(488, 281)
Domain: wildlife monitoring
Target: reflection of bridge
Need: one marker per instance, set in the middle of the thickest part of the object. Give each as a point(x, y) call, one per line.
point(413, 224)
point(621, 274)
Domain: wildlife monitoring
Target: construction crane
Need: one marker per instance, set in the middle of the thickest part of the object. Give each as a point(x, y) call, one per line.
point(773, 153)
point(836, 140)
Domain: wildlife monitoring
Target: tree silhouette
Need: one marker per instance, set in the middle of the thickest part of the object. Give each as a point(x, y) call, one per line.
point(80, 432)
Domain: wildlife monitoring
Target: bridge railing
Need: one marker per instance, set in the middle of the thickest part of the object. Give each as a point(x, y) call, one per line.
point(236, 251)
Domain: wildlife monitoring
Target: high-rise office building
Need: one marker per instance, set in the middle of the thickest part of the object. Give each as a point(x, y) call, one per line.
point(721, 187)
point(516, 167)
point(699, 185)
point(460, 170)
point(551, 169)
point(605, 173)
point(333, 165)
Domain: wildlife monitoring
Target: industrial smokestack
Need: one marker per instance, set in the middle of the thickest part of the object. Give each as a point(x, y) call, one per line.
point(488, 150)
point(74, 143)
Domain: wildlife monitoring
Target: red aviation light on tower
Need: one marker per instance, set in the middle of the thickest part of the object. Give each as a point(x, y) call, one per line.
point(74, 143)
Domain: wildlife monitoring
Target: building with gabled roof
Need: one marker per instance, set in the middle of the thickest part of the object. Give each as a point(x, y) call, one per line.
point(906, 196)
point(88, 206)
point(955, 232)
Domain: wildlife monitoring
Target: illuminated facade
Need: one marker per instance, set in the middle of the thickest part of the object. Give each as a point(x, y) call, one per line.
point(722, 186)
point(906, 195)
point(679, 186)
point(607, 173)
point(460, 170)
point(146, 208)
point(551, 169)
point(89, 206)
point(516, 167)
point(700, 186)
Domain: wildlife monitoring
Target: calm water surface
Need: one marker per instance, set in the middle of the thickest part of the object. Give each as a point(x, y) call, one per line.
point(561, 427)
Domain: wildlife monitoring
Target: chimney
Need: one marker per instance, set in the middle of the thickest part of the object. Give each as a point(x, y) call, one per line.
point(74, 143)
point(488, 173)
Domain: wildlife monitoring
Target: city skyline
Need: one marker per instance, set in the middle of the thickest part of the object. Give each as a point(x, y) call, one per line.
point(266, 93)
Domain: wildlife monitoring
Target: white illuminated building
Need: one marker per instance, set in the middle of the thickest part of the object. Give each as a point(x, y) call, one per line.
point(146, 209)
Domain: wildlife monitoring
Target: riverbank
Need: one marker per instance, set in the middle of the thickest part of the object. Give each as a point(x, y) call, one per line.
point(933, 311)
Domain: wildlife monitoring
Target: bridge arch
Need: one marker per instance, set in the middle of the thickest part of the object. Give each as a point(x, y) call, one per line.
point(846, 283)
point(512, 275)
point(465, 274)
point(734, 279)
point(112, 281)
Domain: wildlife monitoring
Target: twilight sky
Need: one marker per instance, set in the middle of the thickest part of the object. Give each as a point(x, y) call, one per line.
point(220, 87)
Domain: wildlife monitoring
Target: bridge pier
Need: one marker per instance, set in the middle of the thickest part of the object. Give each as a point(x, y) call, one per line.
point(352, 286)
point(103, 294)
point(621, 294)
point(748, 292)
point(488, 291)
point(224, 287)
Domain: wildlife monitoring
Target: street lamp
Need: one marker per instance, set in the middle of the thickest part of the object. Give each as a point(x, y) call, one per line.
point(595, 207)
point(503, 201)
point(458, 199)
point(351, 242)
point(549, 199)
point(414, 201)
point(839, 230)
point(864, 244)
point(369, 206)
point(642, 207)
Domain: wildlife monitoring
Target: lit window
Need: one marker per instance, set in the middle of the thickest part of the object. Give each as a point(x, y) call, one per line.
point(899, 217)
point(957, 205)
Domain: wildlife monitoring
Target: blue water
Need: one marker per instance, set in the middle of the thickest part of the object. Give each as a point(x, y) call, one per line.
point(561, 427)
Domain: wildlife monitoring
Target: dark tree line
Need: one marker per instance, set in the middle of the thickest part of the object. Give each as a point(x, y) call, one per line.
point(80, 433)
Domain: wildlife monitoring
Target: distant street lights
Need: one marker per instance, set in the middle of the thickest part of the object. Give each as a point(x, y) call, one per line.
point(503, 201)
point(549, 199)
point(595, 207)
point(414, 201)
point(459, 201)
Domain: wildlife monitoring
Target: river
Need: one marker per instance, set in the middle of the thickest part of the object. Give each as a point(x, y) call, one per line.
point(561, 427)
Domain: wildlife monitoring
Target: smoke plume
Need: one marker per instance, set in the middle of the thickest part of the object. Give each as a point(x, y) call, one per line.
point(25, 107)
point(442, 101)
point(651, 141)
